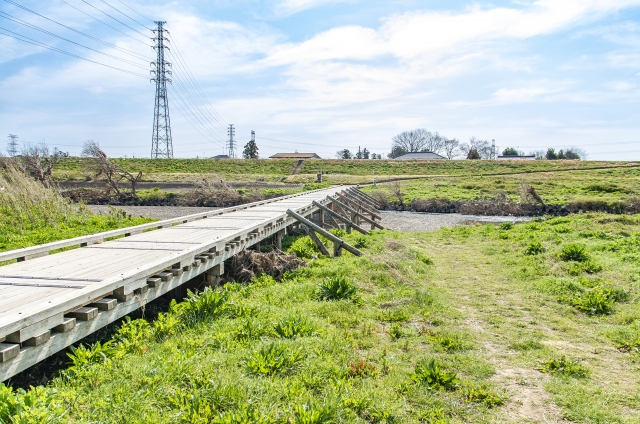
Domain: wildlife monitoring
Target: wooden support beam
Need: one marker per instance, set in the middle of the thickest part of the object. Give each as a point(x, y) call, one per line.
point(343, 219)
point(279, 236)
point(372, 199)
point(323, 249)
point(358, 195)
point(345, 215)
point(375, 202)
point(350, 209)
point(367, 210)
point(323, 232)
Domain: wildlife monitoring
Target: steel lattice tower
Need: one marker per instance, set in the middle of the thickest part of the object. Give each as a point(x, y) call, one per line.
point(12, 146)
point(161, 143)
point(232, 143)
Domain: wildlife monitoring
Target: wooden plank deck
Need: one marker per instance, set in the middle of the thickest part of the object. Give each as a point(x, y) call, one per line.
point(36, 294)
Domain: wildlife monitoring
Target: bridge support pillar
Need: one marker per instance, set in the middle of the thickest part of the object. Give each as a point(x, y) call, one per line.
point(214, 274)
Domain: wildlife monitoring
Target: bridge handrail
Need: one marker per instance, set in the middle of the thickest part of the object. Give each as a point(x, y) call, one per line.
point(44, 249)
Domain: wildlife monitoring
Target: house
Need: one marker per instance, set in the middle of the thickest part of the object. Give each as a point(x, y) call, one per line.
point(221, 157)
point(517, 157)
point(295, 156)
point(420, 155)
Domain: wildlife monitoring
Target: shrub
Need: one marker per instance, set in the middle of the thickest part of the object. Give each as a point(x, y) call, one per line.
point(96, 354)
point(574, 252)
point(534, 248)
point(272, 359)
point(338, 287)
point(294, 326)
point(361, 369)
point(434, 377)
point(38, 405)
point(564, 367)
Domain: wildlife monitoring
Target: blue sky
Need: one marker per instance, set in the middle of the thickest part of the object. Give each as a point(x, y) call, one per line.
point(320, 75)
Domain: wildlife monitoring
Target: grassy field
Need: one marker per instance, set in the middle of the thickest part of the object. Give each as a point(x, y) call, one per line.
point(31, 214)
point(609, 185)
point(535, 322)
point(336, 171)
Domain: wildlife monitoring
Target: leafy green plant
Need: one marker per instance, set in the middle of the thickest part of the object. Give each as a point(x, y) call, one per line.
point(249, 329)
point(597, 301)
point(338, 232)
point(574, 252)
point(38, 405)
point(361, 242)
point(272, 359)
point(450, 342)
point(313, 413)
point(95, 354)
point(534, 248)
point(479, 394)
point(132, 336)
point(294, 326)
point(198, 306)
point(588, 266)
point(506, 226)
point(564, 367)
point(526, 345)
point(434, 377)
point(304, 248)
point(394, 315)
point(421, 257)
point(396, 331)
point(337, 287)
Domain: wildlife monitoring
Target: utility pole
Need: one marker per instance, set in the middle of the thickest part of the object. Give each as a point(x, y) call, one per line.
point(493, 149)
point(161, 143)
point(12, 146)
point(253, 136)
point(232, 143)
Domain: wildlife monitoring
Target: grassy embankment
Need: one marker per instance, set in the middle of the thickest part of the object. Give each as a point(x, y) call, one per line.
point(336, 171)
point(536, 321)
point(607, 185)
point(31, 214)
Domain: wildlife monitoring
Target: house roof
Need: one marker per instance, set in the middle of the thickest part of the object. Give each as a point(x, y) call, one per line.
point(420, 155)
point(221, 157)
point(517, 157)
point(295, 156)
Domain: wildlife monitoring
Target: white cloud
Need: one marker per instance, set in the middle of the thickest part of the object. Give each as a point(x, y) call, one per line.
point(290, 7)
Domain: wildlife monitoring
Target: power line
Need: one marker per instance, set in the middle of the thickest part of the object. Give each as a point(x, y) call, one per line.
point(115, 19)
point(104, 23)
point(118, 10)
point(11, 18)
point(78, 32)
point(149, 19)
point(190, 74)
point(46, 46)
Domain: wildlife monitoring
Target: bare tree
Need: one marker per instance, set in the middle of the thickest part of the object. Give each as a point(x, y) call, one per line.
point(100, 165)
point(396, 191)
point(481, 146)
point(38, 162)
point(410, 141)
point(450, 147)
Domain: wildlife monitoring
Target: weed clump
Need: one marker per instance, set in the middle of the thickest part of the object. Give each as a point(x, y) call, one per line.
point(361, 369)
point(434, 377)
point(534, 248)
point(338, 288)
point(564, 367)
point(273, 359)
point(596, 301)
point(477, 394)
point(448, 342)
point(574, 252)
point(294, 326)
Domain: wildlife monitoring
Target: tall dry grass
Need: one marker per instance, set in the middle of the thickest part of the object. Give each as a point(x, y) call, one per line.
point(27, 204)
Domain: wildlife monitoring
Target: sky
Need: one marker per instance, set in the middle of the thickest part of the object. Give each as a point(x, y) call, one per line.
point(323, 75)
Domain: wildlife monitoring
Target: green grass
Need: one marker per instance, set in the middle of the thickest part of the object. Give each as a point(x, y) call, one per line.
point(611, 185)
point(336, 171)
point(463, 337)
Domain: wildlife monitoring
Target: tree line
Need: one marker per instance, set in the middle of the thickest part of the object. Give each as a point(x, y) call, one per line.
point(421, 140)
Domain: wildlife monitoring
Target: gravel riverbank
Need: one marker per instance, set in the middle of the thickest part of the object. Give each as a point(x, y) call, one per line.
point(401, 221)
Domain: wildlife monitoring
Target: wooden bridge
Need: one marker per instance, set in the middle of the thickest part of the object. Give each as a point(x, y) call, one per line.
point(51, 300)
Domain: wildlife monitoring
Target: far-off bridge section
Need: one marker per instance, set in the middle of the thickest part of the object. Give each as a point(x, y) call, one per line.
point(48, 300)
